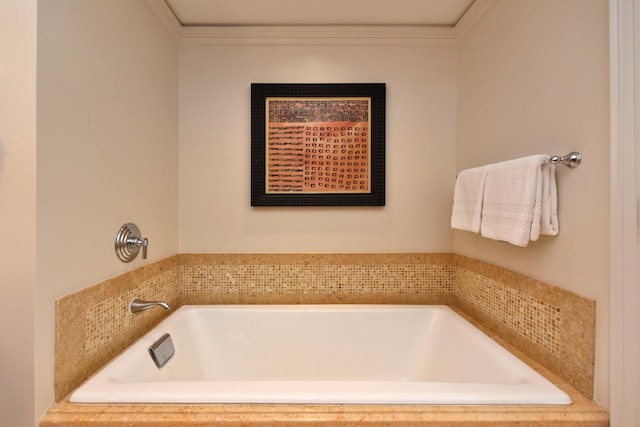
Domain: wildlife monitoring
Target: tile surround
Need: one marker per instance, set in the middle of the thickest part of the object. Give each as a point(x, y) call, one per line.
point(564, 342)
point(203, 280)
point(316, 278)
point(553, 326)
point(93, 325)
point(111, 317)
point(531, 317)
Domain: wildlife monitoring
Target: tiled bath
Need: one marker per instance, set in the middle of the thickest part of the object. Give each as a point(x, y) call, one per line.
point(552, 326)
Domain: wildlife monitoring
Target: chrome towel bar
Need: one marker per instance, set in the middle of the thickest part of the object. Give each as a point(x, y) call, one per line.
point(571, 160)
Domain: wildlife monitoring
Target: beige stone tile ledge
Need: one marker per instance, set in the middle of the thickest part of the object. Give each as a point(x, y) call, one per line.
point(582, 412)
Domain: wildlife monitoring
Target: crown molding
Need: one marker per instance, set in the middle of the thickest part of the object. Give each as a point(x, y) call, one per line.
point(318, 35)
point(476, 11)
point(166, 17)
point(332, 35)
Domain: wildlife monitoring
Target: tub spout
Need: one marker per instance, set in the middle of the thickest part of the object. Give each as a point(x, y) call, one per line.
point(138, 305)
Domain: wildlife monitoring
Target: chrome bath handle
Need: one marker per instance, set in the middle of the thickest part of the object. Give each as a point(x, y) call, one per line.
point(128, 243)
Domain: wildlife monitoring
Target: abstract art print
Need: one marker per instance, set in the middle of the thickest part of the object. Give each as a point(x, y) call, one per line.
point(317, 144)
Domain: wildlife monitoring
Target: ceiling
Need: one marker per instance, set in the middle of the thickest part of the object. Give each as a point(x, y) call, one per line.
point(219, 13)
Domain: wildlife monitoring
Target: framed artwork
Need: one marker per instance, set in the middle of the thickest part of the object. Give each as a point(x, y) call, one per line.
point(318, 144)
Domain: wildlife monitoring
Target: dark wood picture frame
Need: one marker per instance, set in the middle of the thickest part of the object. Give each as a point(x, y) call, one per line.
point(318, 144)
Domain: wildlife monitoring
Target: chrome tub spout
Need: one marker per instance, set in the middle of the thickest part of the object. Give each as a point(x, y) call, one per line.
point(138, 305)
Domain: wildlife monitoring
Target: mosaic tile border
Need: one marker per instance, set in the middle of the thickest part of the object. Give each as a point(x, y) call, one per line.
point(111, 318)
point(316, 279)
point(553, 326)
point(83, 343)
point(531, 317)
point(372, 259)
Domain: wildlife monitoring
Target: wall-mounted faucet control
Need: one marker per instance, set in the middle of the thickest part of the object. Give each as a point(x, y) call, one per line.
point(128, 243)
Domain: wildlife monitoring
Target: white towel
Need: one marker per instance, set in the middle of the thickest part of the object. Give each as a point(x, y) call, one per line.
point(549, 207)
point(520, 200)
point(467, 199)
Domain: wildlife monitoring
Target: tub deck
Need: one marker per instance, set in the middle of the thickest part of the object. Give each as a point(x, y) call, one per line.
point(582, 413)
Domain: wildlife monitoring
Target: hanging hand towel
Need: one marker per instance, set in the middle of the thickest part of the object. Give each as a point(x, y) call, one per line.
point(512, 206)
point(549, 207)
point(467, 199)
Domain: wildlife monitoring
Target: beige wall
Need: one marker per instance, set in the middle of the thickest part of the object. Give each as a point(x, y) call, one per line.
point(107, 149)
point(533, 78)
point(215, 211)
point(17, 209)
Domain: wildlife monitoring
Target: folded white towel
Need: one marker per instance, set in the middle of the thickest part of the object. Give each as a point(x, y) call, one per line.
point(467, 199)
point(549, 215)
point(520, 200)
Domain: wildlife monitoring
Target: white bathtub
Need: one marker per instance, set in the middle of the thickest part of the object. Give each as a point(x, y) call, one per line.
point(320, 354)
